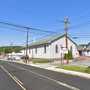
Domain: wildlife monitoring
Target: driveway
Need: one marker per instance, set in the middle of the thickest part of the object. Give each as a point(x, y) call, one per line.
point(81, 62)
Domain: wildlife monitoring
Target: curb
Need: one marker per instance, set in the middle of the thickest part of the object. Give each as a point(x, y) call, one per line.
point(75, 73)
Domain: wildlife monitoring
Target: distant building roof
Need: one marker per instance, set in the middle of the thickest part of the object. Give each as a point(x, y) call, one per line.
point(83, 47)
point(49, 40)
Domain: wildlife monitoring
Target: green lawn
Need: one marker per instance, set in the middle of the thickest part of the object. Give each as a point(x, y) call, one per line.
point(40, 60)
point(75, 68)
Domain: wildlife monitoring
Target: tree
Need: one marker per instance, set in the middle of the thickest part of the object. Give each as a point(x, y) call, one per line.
point(10, 49)
point(68, 56)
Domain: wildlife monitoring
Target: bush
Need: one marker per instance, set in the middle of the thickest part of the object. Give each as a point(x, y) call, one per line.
point(68, 55)
point(87, 69)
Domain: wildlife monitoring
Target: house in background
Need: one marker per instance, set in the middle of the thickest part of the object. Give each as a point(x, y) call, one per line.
point(53, 47)
point(84, 49)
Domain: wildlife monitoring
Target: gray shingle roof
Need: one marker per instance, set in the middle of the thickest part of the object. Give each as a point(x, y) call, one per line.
point(81, 47)
point(84, 47)
point(48, 40)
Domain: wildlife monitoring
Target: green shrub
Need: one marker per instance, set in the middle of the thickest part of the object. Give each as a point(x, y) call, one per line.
point(87, 70)
point(68, 55)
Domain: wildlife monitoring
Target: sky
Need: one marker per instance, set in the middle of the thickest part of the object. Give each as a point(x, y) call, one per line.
point(46, 15)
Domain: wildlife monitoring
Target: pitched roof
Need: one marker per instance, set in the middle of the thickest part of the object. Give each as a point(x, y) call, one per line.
point(88, 46)
point(81, 47)
point(49, 40)
point(84, 47)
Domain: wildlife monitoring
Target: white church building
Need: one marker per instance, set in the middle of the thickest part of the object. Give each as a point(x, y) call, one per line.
point(52, 47)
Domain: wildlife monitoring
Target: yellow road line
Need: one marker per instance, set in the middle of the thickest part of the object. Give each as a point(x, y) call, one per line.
point(18, 80)
point(45, 77)
point(14, 78)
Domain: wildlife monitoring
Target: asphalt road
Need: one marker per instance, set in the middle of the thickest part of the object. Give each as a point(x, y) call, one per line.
point(6, 83)
point(14, 76)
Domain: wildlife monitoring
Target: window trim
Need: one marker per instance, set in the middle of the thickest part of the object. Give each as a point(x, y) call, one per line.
point(35, 50)
point(56, 48)
point(45, 49)
point(29, 50)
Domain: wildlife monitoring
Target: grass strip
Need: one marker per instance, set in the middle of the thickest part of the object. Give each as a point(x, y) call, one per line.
point(76, 68)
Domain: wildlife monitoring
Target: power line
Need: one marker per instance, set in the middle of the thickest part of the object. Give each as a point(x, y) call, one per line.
point(79, 36)
point(80, 25)
point(11, 28)
point(26, 27)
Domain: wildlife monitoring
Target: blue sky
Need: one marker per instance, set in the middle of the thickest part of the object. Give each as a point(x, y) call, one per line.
point(44, 14)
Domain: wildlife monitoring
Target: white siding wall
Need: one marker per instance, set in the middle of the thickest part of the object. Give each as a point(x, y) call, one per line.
point(50, 50)
point(40, 52)
point(61, 43)
point(86, 53)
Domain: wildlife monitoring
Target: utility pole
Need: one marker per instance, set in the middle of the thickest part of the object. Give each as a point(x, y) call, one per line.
point(27, 37)
point(66, 22)
point(11, 45)
point(3, 52)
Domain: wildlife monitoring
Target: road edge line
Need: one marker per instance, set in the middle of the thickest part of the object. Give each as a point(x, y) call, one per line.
point(13, 78)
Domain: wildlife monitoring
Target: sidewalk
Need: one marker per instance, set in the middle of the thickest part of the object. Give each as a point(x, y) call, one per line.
point(51, 67)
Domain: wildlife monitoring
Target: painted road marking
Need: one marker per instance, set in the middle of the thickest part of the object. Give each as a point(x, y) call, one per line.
point(58, 82)
point(45, 77)
point(18, 80)
point(14, 78)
